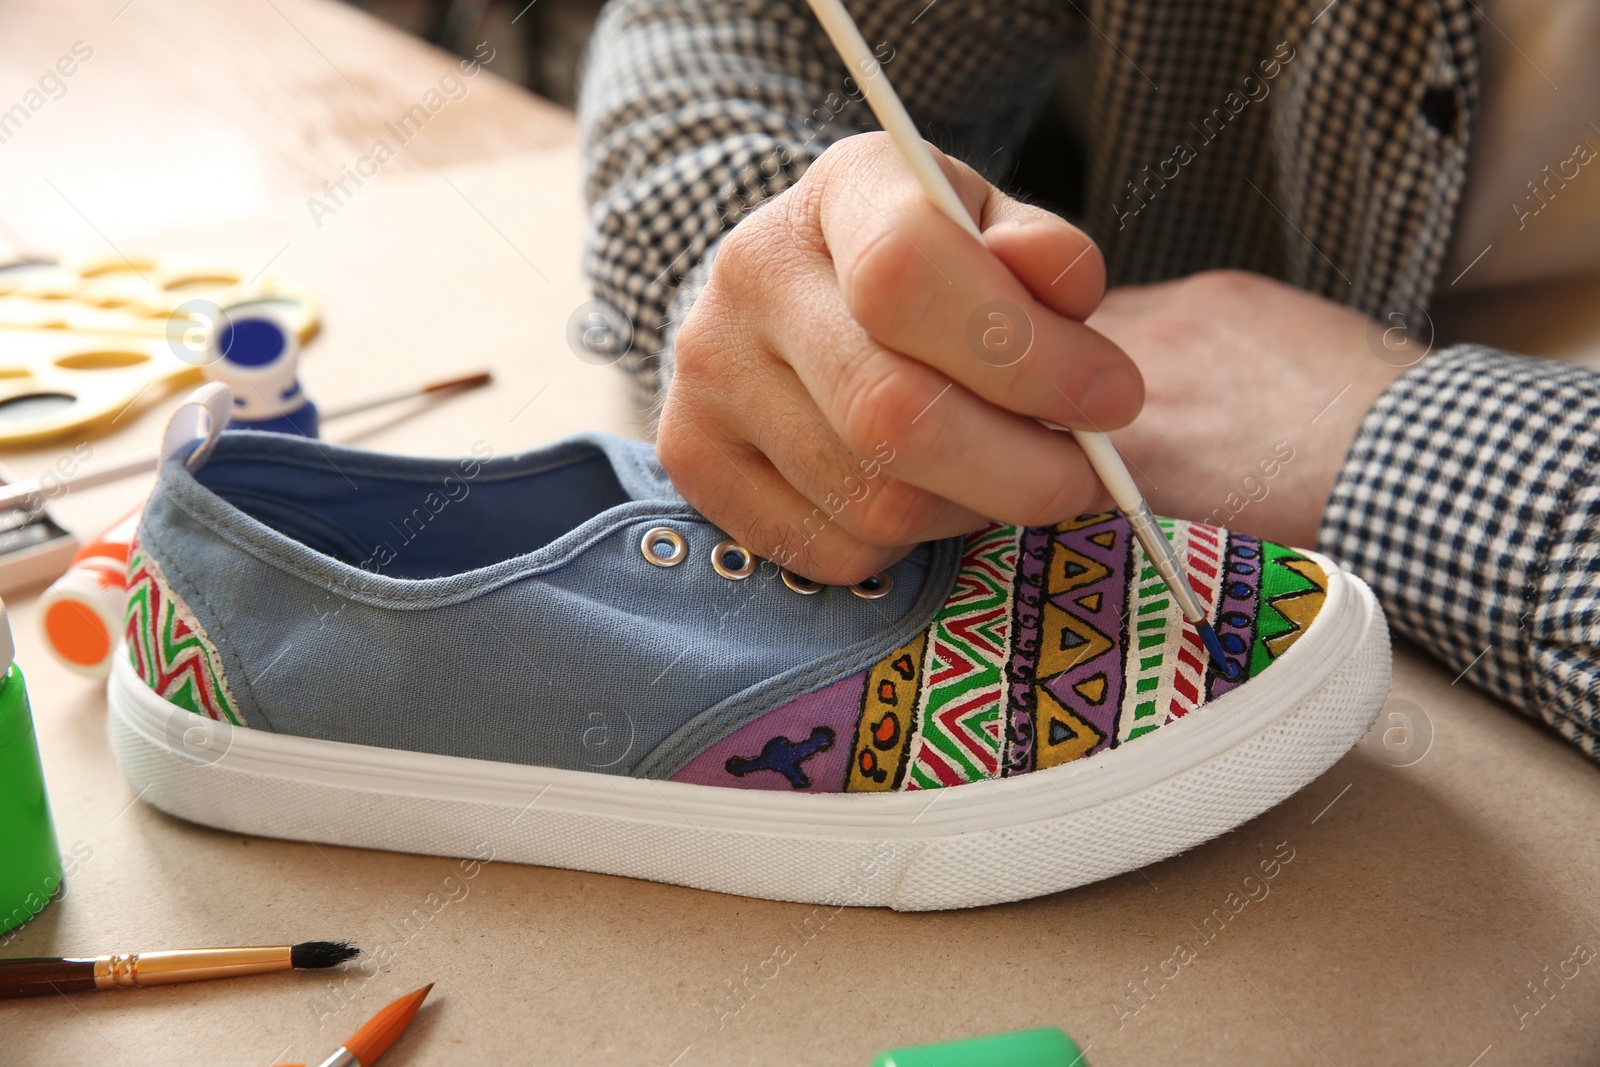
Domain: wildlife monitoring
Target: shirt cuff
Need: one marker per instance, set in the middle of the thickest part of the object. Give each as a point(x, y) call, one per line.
point(1468, 502)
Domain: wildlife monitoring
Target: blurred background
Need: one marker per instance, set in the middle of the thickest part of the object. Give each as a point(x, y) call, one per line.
point(537, 42)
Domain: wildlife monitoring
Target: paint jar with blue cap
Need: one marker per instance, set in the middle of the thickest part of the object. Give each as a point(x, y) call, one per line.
point(255, 353)
point(30, 857)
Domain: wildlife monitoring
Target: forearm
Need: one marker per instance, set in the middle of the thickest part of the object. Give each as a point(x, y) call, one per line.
point(1470, 500)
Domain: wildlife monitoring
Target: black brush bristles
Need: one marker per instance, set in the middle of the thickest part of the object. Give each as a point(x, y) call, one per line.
point(314, 955)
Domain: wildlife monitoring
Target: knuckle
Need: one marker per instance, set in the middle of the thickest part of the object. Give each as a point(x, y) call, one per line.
point(684, 454)
point(762, 242)
point(886, 284)
point(741, 256)
point(848, 154)
point(896, 514)
point(798, 210)
point(720, 349)
point(673, 447)
point(879, 402)
point(694, 348)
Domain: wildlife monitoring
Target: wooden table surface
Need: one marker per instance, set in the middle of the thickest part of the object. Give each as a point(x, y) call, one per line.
point(187, 112)
point(1421, 902)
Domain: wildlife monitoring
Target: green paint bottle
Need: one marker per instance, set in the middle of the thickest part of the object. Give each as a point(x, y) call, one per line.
point(1044, 1047)
point(30, 858)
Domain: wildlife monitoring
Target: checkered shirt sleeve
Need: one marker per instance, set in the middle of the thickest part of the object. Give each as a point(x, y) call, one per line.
point(690, 118)
point(1471, 502)
point(695, 111)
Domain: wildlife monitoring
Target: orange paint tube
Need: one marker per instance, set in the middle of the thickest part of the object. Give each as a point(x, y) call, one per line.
point(81, 615)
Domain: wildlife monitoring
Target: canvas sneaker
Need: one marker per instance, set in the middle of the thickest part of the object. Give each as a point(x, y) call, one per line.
point(551, 658)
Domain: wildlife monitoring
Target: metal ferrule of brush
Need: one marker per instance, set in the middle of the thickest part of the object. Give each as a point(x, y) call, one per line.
point(342, 1058)
point(186, 965)
point(1165, 559)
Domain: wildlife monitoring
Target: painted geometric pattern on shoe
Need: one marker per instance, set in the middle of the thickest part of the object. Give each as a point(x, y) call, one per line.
point(962, 711)
point(168, 647)
point(1054, 644)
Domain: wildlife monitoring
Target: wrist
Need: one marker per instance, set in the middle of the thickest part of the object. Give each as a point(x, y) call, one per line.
point(1284, 493)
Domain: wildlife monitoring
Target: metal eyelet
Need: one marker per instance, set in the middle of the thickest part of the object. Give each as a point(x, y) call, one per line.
point(659, 537)
point(730, 549)
point(874, 587)
point(800, 584)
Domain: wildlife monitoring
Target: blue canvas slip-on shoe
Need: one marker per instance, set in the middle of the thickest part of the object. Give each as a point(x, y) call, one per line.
point(553, 659)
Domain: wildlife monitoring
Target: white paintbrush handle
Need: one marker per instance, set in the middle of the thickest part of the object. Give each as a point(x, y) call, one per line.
point(1107, 463)
point(886, 105)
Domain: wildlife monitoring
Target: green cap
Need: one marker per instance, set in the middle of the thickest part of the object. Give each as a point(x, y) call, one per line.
point(1044, 1047)
point(30, 859)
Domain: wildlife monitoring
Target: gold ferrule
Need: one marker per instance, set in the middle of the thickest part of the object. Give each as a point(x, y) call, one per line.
point(187, 965)
point(1165, 560)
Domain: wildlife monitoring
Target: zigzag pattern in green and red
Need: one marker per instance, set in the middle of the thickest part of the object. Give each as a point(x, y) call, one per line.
point(168, 647)
point(963, 717)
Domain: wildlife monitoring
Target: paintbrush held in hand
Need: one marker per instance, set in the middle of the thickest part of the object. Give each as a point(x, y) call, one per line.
point(42, 975)
point(1097, 447)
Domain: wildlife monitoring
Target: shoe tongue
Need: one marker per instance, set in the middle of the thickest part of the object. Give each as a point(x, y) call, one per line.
point(193, 429)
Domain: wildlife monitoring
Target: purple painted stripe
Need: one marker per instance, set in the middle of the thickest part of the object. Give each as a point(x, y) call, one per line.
point(1027, 598)
point(1109, 620)
point(1236, 613)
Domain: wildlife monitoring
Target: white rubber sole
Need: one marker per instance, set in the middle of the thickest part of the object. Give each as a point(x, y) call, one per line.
point(982, 843)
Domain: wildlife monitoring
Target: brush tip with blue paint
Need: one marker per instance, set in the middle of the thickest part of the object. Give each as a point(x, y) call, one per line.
point(1219, 655)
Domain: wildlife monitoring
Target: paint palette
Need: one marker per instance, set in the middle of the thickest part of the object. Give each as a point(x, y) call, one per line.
point(82, 341)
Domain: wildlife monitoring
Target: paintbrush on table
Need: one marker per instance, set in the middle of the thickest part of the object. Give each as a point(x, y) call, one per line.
point(41, 975)
point(896, 122)
point(31, 495)
point(376, 1034)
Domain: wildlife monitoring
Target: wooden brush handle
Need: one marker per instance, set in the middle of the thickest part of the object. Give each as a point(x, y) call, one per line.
point(43, 975)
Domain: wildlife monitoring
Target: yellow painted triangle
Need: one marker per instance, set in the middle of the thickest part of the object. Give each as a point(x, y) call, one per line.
point(1084, 520)
point(1074, 737)
point(1299, 608)
point(1105, 538)
point(1308, 570)
point(1071, 570)
point(1093, 689)
point(1066, 641)
point(1090, 602)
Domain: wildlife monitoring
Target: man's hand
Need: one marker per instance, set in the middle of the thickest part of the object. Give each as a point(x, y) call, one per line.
point(860, 374)
point(1255, 392)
